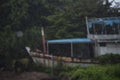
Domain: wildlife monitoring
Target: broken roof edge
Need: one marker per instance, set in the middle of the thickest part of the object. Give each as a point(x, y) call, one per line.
point(72, 40)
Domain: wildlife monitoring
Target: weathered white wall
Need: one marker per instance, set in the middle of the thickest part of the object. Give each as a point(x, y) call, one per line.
point(109, 48)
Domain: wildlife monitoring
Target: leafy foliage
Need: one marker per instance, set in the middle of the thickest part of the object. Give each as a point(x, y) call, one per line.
point(109, 58)
point(106, 72)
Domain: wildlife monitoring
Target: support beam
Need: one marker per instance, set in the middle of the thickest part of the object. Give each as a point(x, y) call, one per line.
point(47, 48)
point(72, 49)
point(87, 25)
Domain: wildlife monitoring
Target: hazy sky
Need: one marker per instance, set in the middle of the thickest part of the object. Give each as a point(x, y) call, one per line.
point(115, 1)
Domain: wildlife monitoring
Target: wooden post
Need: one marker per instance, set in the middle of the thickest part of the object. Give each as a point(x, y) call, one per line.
point(44, 44)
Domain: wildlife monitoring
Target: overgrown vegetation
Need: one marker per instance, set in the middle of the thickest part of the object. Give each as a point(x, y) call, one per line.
point(106, 72)
point(109, 70)
point(109, 58)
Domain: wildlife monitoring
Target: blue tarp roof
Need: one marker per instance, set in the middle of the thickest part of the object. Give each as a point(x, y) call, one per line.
point(106, 21)
point(73, 40)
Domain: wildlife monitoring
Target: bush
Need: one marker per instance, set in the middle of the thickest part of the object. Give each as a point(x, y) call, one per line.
point(2, 64)
point(90, 73)
point(109, 59)
point(113, 70)
point(106, 72)
point(21, 64)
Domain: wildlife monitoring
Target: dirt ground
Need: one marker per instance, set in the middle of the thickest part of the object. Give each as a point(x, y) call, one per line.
point(24, 76)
